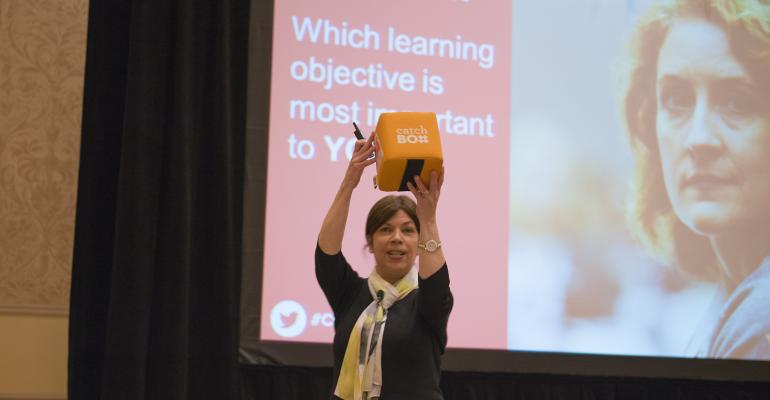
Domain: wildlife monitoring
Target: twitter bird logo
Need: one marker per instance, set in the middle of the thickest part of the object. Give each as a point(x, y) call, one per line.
point(288, 318)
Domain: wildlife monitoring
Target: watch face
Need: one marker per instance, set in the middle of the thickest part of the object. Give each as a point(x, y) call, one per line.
point(431, 245)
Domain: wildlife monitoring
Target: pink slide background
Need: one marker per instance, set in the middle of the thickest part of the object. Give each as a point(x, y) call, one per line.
point(473, 212)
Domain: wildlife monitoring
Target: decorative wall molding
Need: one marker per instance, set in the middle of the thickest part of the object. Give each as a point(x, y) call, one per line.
point(35, 310)
point(32, 396)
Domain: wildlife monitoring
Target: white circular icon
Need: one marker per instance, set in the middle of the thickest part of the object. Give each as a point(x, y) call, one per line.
point(288, 318)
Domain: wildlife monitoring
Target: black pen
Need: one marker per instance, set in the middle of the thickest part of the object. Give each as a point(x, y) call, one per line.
point(360, 136)
point(357, 132)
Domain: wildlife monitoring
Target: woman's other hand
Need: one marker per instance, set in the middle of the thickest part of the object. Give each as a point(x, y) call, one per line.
point(362, 158)
point(427, 196)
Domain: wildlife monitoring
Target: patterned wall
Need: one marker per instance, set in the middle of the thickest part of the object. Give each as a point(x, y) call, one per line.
point(42, 57)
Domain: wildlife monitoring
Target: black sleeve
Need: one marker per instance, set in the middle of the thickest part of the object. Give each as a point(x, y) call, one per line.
point(337, 279)
point(436, 303)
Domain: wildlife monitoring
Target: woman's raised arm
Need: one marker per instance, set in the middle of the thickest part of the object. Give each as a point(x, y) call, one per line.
point(333, 227)
point(431, 256)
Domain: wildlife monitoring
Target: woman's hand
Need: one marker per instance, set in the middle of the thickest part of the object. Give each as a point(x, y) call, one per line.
point(359, 161)
point(427, 196)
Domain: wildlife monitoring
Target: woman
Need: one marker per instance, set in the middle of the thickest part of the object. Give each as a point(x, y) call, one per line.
point(390, 329)
point(697, 111)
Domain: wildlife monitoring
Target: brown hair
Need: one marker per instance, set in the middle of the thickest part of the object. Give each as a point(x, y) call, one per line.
point(747, 26)
point(384, 209)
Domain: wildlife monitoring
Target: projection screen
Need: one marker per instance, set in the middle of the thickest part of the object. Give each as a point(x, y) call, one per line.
point(605, 207)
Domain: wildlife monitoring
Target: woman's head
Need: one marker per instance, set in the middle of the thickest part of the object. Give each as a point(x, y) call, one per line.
point(392, 233)
point(697, 111)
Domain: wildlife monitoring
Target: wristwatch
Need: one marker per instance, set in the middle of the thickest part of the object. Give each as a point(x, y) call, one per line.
point(430, 246)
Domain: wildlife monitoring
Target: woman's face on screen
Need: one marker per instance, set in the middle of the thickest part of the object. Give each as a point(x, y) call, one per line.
point(712, 130)
point(394, 245)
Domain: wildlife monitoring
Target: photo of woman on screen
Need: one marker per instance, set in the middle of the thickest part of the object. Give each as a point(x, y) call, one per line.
point(696, 107)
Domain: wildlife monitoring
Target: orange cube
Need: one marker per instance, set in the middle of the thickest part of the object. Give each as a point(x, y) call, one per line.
point(408, 144)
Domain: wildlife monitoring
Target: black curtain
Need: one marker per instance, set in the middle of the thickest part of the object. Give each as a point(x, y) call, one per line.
point(156, 268)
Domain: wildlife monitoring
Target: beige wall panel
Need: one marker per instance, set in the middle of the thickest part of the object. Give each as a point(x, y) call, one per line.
point(34, 356)
point(42, 56)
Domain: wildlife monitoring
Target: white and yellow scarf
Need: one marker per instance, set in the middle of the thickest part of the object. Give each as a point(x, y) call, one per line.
point(361, 372)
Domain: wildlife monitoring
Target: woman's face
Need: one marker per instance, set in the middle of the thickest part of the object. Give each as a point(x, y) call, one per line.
point(712, 128)
point(394, 245)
